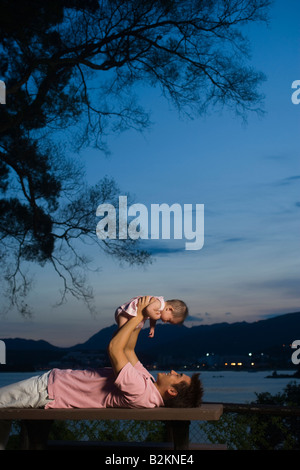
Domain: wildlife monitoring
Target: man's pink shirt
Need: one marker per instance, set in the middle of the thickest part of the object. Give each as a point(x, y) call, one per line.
point(132, 388)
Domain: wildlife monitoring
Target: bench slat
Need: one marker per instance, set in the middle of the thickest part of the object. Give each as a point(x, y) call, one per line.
point(206, 412)
point(108, 445)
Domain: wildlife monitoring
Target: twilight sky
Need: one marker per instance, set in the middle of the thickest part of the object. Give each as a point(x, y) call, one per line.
point(246, 175)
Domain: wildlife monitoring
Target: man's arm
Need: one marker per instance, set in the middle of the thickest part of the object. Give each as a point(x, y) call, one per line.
point(121, 346)
point(130, 346)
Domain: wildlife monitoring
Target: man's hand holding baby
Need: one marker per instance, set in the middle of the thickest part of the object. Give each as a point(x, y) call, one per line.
point(142, 304)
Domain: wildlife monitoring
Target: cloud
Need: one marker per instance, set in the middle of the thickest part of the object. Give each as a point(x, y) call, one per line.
point(198, 317)
point(163, 248)
point(164, 251)
point(289, 180)
point(235, 240)
point(289, 287)
point(272, 313)
point(276, 157)
point(193, 318)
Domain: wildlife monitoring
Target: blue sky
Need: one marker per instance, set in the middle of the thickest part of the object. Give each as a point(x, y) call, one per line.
point(246, 175)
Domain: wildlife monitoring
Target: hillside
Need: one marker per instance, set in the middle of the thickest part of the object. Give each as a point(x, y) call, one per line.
point(180, 342)
point(226, 338)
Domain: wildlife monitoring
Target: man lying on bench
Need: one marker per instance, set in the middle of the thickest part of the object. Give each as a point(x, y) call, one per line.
point(127, 384)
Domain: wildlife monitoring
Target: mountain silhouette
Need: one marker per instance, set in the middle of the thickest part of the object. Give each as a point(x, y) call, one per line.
point(184, 342)
point(220, 338)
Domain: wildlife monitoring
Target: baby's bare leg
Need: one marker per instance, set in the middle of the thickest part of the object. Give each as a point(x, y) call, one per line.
point(122, 319)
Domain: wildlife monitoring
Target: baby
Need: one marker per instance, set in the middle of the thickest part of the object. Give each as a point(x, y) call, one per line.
point(171, 311)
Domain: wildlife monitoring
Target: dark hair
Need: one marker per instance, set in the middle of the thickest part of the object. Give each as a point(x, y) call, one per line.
point(180, 308)
point(188, 396)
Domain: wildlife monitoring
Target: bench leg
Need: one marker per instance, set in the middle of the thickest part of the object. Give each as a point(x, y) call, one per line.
point(5, 427)
point(180, 434)
point(34, 434)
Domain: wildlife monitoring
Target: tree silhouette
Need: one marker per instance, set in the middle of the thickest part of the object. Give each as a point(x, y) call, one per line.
point(75, 65)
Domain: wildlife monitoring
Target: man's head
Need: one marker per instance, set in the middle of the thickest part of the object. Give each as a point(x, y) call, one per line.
point(179, 390)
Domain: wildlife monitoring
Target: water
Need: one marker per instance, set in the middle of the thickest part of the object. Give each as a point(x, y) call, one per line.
point(220, 386)
point(241, 386)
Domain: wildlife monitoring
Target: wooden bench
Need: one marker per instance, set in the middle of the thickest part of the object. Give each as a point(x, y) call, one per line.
point(36, 423)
